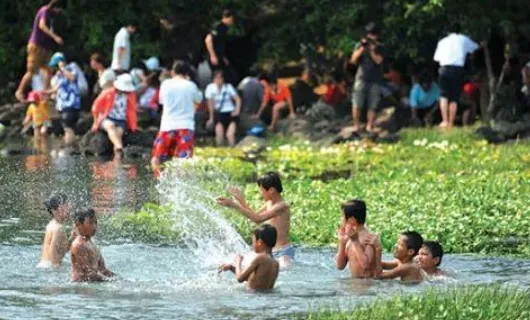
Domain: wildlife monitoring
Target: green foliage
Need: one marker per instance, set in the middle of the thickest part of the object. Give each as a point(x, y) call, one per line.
point(470, 303)
point(411, 28)
point(471, 196)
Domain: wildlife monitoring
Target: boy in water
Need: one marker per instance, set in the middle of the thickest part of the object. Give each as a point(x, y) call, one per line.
point(56, 243)
point(262, 272)
point(430, 257)
point(358, 247)
point(403, 267)
point(275, 211)
point(87, 262)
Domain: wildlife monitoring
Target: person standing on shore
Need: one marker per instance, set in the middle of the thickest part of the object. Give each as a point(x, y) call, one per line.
point(39, 46)
point(216, 42)
point(451, 54)
point(121, 54)
point(368, 56)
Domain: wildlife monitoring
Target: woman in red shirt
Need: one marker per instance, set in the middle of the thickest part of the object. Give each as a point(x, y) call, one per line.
point(281, 99)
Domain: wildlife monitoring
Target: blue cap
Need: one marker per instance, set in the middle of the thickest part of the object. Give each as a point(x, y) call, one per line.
point(56, 58)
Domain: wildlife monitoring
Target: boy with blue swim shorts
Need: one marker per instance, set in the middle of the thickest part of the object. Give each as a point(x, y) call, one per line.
point(275, 212)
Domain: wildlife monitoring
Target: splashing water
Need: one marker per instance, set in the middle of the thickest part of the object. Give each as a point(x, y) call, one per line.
point(187, 186)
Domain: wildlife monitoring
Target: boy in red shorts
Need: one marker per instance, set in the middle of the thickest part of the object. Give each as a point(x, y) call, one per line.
point(176, 137)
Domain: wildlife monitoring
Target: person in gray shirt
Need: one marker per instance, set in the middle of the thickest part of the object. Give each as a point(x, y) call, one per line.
point(368, 56)
point(251, 92)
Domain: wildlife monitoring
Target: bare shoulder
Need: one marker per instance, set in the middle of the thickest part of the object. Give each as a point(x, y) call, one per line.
point(282, 206)
point(78, 245)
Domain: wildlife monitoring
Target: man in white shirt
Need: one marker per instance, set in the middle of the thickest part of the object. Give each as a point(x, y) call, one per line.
point(121, 53)
point(179, 97)
point(451, 54)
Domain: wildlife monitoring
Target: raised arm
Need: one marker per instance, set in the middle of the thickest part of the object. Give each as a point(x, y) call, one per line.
point(242, 275)
point(356, 55)
point(387, 265)
point(341, 259)
point(256, 217)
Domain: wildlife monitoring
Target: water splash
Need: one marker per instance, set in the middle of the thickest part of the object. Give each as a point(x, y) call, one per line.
point(187, 187)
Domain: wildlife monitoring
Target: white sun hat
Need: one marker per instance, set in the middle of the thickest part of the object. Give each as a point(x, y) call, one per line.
point(124, 83)
point(107, 77)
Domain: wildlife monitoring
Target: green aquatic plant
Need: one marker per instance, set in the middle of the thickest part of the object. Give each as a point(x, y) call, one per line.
point(470, 303)
point(453, 187)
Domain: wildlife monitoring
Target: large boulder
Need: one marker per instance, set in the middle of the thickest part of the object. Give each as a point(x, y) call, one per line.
point(252, 143)
point(97, 144)
point(246, 122)
point(136, 152)
point(144, 138)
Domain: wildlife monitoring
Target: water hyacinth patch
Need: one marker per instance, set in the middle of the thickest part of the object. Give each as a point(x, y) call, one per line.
point(471, 196)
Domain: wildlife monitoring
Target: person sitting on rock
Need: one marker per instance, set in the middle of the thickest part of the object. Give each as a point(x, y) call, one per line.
point(424, 97)
point(114, 110)
point(224, 113)
point(279, 96)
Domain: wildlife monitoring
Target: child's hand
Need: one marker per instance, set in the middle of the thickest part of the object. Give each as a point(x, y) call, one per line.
point(342, 235)
point(371, 240)
point(236, 193)
point(225, 202)
point(225, 267)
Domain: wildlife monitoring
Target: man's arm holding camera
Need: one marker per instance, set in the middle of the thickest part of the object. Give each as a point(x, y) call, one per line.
point(356, 55)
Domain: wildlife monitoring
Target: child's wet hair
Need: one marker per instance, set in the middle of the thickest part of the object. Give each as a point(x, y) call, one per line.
point(414, 241)
point(436, 250)
point(355, 208)
point(271, 180)
point(82, 214)
point(55, 201)
point(267, 234)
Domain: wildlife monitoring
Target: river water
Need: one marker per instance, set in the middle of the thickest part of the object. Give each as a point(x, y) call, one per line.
point(163, 281)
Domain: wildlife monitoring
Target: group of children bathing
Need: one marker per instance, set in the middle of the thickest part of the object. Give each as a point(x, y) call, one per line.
point(358, 248)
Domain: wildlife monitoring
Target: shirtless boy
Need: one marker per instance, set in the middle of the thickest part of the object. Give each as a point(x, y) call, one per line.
point(262, 272)
point(56, 243)
point(403, 266)
point(87, 262)
point(358, 248)
point(275, 212)
point(430, 257)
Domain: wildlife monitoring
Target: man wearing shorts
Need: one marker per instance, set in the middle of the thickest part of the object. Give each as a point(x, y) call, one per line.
point(368, 56)
point(178, 96)
point(451, 54)
point(39, 46)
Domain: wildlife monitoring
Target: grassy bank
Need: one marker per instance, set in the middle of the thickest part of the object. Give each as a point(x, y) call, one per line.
point(471, 196)
point(471, 303)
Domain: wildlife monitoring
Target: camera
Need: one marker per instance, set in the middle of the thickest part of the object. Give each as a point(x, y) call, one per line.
point(365, 42)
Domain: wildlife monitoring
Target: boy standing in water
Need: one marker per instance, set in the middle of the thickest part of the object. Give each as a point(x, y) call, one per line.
point(56, 243)
point(430, 257)
point(358, 248)
point(403, 267)
point(262, 272)
point(87, 262)
point(275, 211)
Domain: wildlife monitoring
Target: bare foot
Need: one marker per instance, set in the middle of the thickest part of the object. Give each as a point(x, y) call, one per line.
point(355, 129)
point(270, 128)
point(442, 125)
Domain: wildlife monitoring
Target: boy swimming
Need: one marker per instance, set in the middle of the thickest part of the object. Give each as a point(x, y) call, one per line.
point(87, 262)
point(262, 272)
point(403, 267)
point(354, 250)
point(55, 244)
point(430, 257)
point(275, 211)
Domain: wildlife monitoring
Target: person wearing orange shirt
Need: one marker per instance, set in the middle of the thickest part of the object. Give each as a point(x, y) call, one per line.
point(280, 97)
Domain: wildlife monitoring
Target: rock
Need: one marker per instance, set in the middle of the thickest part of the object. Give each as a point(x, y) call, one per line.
point(511, 130)
point(246, 122)
point(252, 143)
point(136, 152)
point(490, 135)
point(15, 151)
point(387, 137)
point(96, 144)
point(14, 115)
point(323, 125)
point(84, 124)
point(320, 111)
point(139, 138)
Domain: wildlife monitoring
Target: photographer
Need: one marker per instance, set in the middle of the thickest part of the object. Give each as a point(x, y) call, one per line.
point(368, 56)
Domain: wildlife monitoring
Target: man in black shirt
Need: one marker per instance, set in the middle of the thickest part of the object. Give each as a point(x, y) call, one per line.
point(216, 41)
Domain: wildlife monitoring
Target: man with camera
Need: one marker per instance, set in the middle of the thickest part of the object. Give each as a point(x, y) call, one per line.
point(368, 57)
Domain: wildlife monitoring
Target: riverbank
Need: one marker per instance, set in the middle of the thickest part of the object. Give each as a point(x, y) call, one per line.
point(453, 187)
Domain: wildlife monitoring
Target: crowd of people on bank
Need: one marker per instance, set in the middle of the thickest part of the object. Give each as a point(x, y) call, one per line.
point(170, 94)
